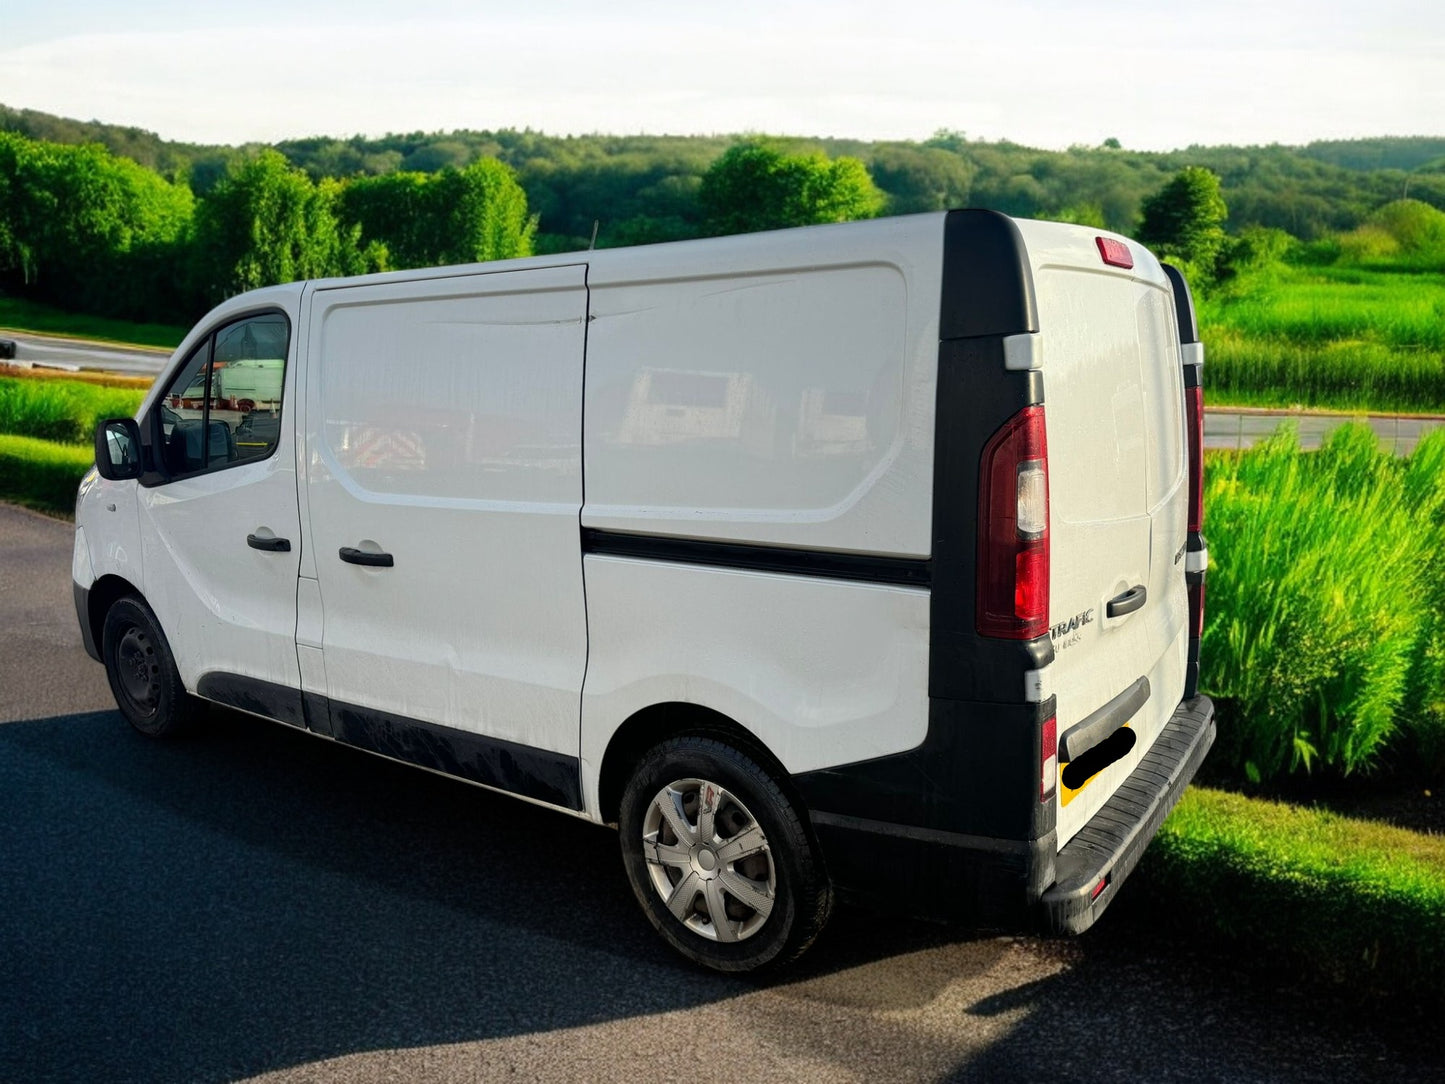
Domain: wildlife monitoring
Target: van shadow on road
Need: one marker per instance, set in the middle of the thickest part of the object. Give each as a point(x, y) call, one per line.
point(252, 898)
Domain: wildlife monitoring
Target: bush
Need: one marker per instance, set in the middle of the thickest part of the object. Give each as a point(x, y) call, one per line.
point(1407, 235)
point(1315, 629)
point(1347, 900)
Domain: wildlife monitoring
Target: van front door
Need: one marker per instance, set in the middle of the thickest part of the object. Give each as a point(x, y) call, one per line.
point(219, 523)
point(444, 485)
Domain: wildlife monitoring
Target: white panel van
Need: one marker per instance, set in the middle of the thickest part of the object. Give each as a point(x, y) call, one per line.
point(858, 560)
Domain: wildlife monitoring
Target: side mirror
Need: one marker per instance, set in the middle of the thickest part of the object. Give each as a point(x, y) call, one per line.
point(118, 449)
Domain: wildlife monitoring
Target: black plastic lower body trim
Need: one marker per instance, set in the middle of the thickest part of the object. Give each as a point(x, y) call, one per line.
point(554, 778)
point(976, 774)
point(921, 835)
point(929, 870)
point(925, 873)
point(82, 614)
point(254, 696)
point(1107, 849)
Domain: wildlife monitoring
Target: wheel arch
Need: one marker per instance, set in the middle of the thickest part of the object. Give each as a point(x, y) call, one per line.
point(648, 726)
point(102, 596)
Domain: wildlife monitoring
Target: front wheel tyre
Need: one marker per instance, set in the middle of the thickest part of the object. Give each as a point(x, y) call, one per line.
point(719, 859)
point(142, 672)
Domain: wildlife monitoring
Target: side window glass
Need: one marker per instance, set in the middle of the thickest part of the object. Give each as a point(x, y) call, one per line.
point(183, 415)
point(224, 405)
point(246, 376)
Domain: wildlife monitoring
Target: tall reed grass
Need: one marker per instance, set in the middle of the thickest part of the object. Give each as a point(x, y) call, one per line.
point(1322, 638)
point(65, 411)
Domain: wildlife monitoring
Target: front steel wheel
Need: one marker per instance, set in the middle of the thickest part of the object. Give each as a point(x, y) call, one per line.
point(719, 858)
point(142, 672)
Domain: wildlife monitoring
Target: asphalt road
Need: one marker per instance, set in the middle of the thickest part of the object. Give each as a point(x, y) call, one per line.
point(254, 902)
point(1243, 429)
point(58, 352)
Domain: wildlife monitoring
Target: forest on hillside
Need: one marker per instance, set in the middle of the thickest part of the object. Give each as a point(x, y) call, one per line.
point(81, 202)
point(638, 188)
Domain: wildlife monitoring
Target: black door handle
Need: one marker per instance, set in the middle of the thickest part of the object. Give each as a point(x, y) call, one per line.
point(1128, 602)
point(354, 556)
point(270, 545)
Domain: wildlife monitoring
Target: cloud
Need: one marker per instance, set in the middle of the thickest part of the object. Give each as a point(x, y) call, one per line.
point(1044, 73)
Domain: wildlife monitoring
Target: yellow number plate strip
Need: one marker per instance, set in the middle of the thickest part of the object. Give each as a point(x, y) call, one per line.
point(1066, 794)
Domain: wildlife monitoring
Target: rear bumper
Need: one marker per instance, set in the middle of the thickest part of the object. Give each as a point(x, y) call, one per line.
point(950, 875)
point(1109, 847)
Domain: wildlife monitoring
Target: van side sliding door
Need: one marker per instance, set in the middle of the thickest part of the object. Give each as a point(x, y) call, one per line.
point(444, 485)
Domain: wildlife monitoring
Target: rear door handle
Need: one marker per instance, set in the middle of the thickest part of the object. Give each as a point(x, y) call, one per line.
point(1128, 602)
point(270, 545)
point(353, 556)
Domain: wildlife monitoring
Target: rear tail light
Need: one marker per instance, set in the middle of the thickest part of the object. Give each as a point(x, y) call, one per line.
point(1013, 530)
point(1049, 759)
point(1194, 408)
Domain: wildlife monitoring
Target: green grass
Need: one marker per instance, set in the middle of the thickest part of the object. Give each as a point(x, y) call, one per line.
point(61, 410)
point(20, 315)
point(1321, 639)
point(1325, 305)
point(41, 474)
point(1332, 337)
point(1348, 900)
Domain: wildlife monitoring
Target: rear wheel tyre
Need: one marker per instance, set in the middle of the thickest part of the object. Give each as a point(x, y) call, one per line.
point(719, 859)
point(142, 672)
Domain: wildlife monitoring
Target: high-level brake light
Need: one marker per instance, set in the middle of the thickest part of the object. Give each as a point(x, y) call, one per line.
point(1115, 253)
point(1013, 530)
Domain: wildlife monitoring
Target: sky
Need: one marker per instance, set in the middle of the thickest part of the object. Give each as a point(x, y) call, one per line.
point(1047, 73)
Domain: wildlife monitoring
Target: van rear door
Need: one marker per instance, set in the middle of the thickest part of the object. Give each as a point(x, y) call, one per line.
point(1113, 394)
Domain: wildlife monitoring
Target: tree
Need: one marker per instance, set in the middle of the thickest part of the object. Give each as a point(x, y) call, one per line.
point(918, 179)
point(755, 186)
point(73, 217)
point(452, 216)
point(1185, 220)
point(266, 223)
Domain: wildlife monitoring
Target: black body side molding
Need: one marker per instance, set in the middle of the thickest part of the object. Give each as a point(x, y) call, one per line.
point(865, 568)
point(554, 778)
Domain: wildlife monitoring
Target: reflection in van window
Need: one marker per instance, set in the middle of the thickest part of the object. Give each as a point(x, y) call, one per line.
point(224, 405)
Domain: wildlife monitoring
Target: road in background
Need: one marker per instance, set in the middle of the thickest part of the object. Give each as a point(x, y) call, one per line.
point(77, 354)
point(253, 901)
point(1225, 428)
